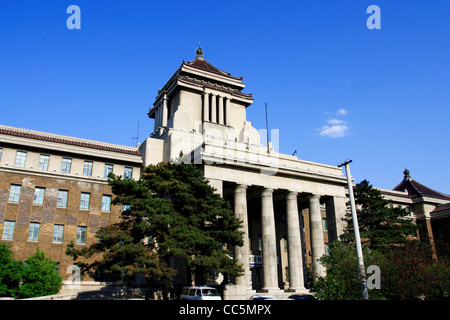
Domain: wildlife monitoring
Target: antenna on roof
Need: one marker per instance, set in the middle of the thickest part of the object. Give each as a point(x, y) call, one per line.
point(267, 129)
point(137, 136)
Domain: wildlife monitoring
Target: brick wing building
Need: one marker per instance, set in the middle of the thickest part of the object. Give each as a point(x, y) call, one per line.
point(54, 190)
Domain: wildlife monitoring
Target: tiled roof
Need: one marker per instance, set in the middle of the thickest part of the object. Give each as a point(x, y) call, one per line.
point(204, 65)
point(442, 207)
point(66, 140)
point(416, 189)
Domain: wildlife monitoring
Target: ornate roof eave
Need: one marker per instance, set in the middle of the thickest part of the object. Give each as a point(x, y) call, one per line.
point(234, 81)
point(204, 65)
point(247, 99)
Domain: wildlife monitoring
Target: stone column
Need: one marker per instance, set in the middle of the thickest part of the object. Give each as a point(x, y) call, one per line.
point(317, 242)
point(430, 234)
point(221, 110)
point(242, 253)
point(155, 123)
point(269, 249)
point(164, 111)
point(205, 106)
point(158, 116)
point(227, 110)
point(295, 256)
point(213, 109)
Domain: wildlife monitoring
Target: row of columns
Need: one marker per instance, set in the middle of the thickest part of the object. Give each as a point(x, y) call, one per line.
point(269, 245)
point(216, 108)
point(161, 113)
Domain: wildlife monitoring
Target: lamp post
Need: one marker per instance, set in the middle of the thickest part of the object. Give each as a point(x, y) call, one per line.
point(362, 270)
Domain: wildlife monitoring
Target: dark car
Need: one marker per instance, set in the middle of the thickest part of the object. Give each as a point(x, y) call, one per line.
point(306, 297)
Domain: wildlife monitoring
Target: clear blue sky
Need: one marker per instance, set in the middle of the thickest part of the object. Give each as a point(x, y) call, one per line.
point(334, 88)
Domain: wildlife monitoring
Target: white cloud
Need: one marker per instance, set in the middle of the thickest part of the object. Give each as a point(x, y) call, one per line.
point(335, 121)
point(342, 112)
point(335, 128)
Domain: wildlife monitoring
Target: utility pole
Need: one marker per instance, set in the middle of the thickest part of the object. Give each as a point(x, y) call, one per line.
point(362, 269)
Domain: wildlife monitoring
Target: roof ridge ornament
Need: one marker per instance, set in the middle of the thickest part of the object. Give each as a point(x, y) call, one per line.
point(406, 174)
point(199, 52)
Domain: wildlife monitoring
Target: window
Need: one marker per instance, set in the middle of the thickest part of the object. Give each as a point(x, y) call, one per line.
point(1, 151)
point(14, 193)
point(62, 198)
point(66, 165)
point(8, 230)
point(33, 234)
point(125, 207)
point(324, 224)
point(20, 159)
point(39, 196)
point(43, 162)
point(106, 203)
point(108, 170)
point(84, 200)
point(87, 168)
point(81, 235)
point(58, 231)
point(128, 173)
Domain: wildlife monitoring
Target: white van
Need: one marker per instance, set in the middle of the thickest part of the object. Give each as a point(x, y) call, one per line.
point(200, 293)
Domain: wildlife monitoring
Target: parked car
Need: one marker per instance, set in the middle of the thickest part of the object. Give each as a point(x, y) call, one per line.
point(302, 297)
point(200, 293)
point(263, 297)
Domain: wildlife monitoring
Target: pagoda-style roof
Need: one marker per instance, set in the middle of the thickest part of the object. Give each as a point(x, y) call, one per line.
point(200, 74)
point(416, 189)
point(202, 64)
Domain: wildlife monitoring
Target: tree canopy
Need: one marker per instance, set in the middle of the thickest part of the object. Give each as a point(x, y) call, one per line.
point(406, 265)
point(36, 277)
point(170, 212)
point(381, 226)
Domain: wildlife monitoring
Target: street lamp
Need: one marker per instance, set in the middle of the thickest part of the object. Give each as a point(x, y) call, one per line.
point(362, 270)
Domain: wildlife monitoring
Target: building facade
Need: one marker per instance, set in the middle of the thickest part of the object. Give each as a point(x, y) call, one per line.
point(54, 190)
point(283, 202)
point(429, 208)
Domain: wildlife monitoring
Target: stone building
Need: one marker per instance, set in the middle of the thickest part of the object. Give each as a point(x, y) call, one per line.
point(283, 202)
point(54, 190)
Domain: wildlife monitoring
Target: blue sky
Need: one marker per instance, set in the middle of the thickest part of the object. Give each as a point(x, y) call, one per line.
point(334, 88)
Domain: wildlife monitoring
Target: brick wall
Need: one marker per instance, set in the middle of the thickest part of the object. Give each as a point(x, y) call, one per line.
point(49, 214)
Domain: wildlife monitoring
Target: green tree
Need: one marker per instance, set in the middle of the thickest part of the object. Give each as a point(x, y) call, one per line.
point(380, 225)
point(171, 212)
point(39, 277)
point(408, 270)
point(342, 280)
point(10, 272)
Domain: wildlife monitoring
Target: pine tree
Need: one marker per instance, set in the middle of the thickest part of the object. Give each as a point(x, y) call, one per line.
point(381, 226)
point(171, 212)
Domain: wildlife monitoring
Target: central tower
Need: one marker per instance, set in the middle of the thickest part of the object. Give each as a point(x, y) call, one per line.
point(198, 101)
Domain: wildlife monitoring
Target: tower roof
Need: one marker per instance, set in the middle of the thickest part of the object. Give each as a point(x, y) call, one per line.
point(201, 63)
point(416, 189)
